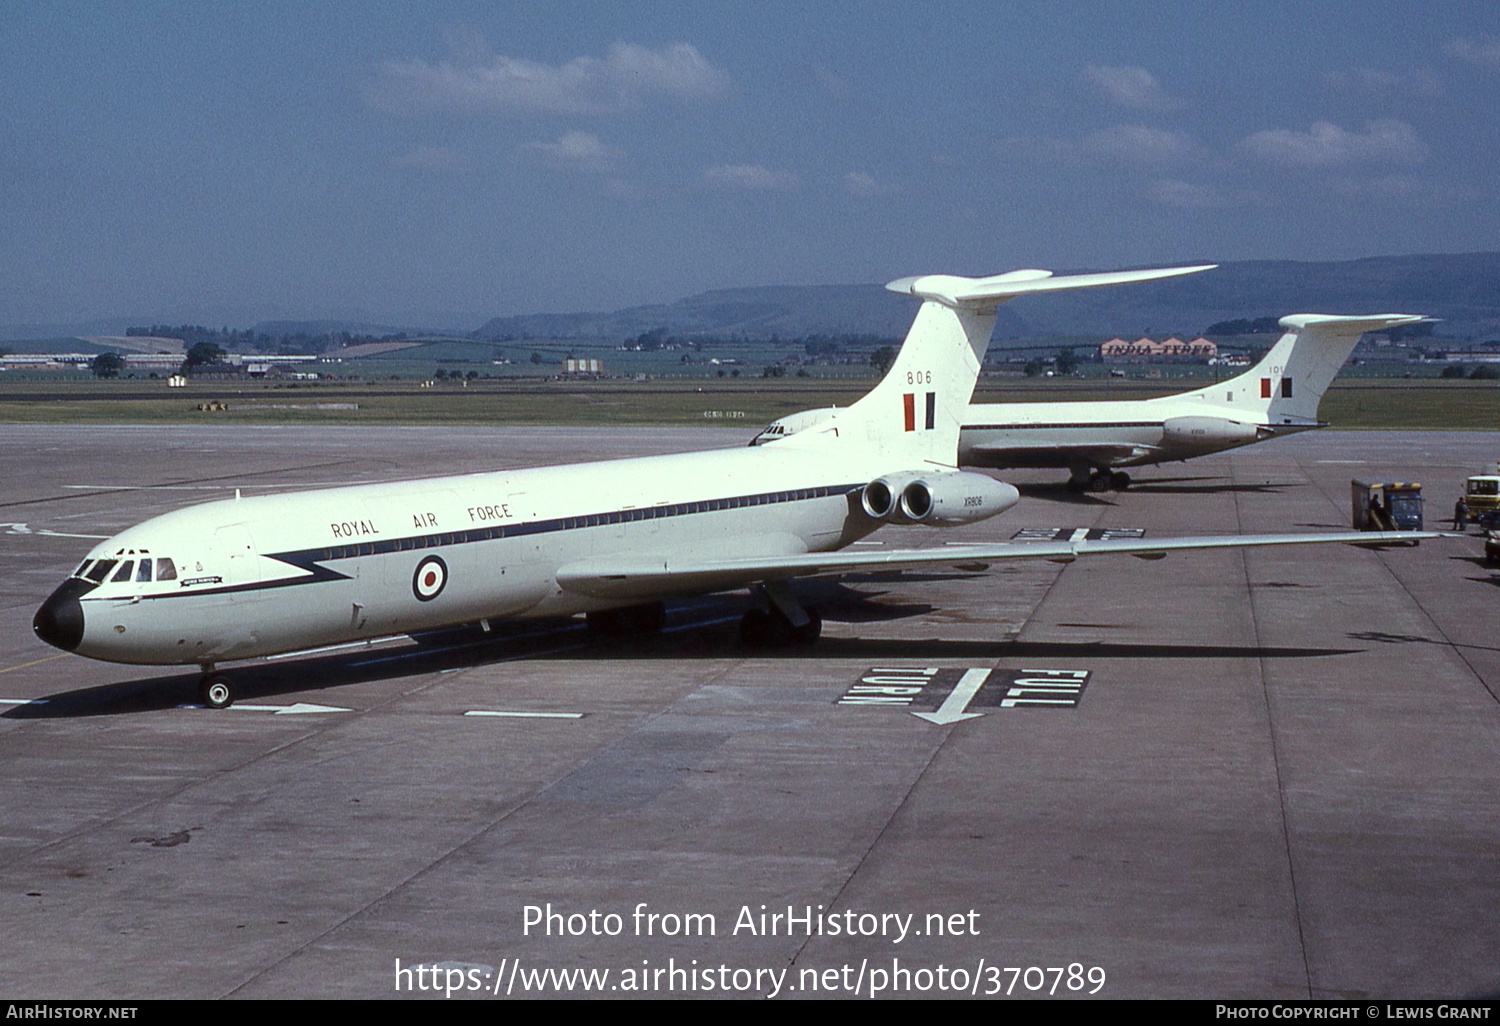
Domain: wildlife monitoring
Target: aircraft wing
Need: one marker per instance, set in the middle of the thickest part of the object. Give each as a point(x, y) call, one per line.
point(652, 577)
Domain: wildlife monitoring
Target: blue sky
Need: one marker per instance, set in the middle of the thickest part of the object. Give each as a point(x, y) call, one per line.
point(447, 162)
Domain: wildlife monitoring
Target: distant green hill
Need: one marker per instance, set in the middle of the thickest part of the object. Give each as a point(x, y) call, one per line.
point(791, 311)
point(279, 329)
point(1463, 289)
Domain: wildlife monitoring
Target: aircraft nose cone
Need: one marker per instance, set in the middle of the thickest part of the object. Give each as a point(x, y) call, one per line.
point(60, 620)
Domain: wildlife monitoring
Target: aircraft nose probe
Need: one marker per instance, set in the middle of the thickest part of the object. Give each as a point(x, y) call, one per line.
point(60, 620)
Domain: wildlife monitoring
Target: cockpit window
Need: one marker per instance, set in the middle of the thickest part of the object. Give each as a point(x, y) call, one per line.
point(123, 574)
point(166, 570)
point(143, 572)
point(100, 570)
point(82, 567)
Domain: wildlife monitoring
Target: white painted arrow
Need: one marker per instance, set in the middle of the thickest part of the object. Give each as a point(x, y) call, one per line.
point(952, 709)
point(290, 710)
point(23, 529)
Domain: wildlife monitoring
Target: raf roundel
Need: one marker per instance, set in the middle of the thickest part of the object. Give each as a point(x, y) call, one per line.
point(427, 583)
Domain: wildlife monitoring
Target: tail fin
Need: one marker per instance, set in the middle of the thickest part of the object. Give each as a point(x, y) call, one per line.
point(914, 414)
point(1289, 381)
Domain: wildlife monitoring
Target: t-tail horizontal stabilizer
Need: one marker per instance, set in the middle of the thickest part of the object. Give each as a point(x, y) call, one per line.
point(1289, 381)
point(913, 416)
point(978, 293)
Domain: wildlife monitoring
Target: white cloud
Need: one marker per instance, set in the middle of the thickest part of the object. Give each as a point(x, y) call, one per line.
point(861, 184)
point(577, 151)
point(1484, 51)
point(1135, 88)
point(476, 80)
point(751, 177)
point(1327, 145)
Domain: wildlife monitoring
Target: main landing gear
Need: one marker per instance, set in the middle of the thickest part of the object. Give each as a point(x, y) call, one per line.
point(1087, 480)
point(215, 689)
point(785, 621)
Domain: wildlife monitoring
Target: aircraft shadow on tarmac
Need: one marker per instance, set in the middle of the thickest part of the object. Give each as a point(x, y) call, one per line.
point(1417, 639)
point(705, 630)
point(1480, 561)
point(1192, 486)
point(1058, 491)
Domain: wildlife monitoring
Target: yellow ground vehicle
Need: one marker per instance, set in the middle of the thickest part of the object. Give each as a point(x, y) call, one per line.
point(1482, 494)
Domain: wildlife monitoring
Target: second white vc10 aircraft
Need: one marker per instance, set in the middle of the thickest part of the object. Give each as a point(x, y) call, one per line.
point(1095, 439)
point(263, 575)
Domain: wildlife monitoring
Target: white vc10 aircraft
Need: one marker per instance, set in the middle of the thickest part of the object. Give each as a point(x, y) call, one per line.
point(271, 574)
point(1093, 440)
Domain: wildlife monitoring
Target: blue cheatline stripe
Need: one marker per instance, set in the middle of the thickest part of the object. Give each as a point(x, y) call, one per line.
point(311, 560)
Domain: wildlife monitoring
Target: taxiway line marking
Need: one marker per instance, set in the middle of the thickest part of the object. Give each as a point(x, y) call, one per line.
point(294, 709)
point(525, 715)
point(150, 488)
point(43, 532)
point(44, 659)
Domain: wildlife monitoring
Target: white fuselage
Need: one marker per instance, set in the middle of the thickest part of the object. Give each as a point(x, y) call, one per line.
point(1119, 433)
point(254, 576)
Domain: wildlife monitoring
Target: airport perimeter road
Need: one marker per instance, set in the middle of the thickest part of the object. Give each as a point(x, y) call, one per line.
point(1265, 774)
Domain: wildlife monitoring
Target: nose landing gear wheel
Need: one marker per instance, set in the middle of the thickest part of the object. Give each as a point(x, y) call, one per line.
point(215, 691)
